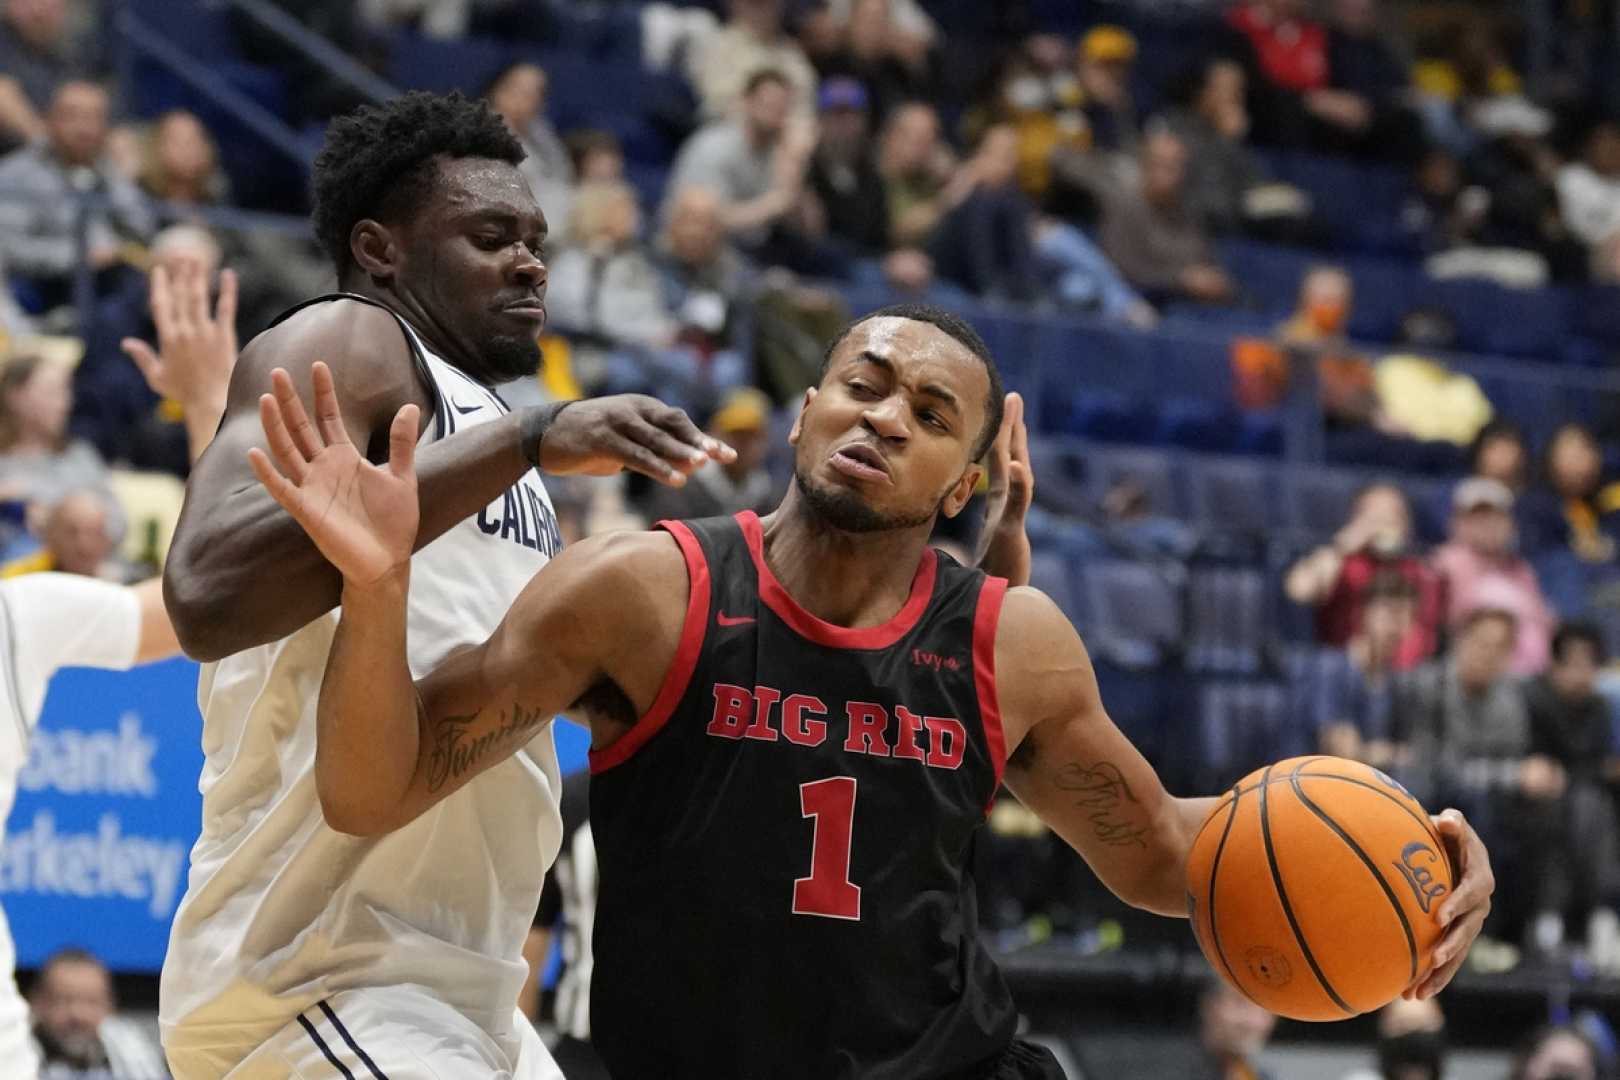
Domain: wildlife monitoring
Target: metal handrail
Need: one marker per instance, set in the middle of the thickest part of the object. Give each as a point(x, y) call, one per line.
point(317, 49)
point(261, 121)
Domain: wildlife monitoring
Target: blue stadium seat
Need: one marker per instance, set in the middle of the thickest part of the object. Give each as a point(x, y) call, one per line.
point(1062, 475)
point(1501, 321)
point(201, 29)
point(1196, 424)
point(1232, 495)
point(416, 62)
point(1154, 471)
point(1110, 416)
point(1226, 620)
point(1316, 501)
point(1241, 726)
point(1051, 572)
point(1135, 609)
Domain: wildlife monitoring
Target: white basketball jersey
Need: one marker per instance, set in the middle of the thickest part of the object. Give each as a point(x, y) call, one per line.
point(280, 911)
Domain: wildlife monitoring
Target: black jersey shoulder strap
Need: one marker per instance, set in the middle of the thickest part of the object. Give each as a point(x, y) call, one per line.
point(441, 415)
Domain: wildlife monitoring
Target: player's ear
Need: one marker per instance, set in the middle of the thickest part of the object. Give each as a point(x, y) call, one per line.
point(374, 248)
point(798, 421)
point(962, 490)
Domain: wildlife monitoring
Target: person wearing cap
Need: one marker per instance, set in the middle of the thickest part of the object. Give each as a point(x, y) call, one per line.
point(1103, 66)
point(843, 170)
point(1480, 567)
point(742, 419)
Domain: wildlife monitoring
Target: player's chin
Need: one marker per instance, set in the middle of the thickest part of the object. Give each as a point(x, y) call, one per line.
point(513, 356)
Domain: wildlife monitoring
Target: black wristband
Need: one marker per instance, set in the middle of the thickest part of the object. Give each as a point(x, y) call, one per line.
point(534, 423)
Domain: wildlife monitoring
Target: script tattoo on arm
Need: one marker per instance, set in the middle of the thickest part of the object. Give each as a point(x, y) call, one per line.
point(1100, 791)
point(455, 755)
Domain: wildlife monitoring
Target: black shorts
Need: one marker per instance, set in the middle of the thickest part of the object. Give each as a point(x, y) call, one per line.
point(1025, 1061)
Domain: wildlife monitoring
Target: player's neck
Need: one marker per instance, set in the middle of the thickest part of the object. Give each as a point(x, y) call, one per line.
point(435, 337)
point(848, 579)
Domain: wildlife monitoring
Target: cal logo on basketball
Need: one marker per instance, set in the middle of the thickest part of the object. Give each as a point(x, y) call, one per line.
point(1416, 860)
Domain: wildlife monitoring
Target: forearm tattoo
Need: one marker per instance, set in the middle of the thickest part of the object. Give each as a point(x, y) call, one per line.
point(1101, 792)
point(455, 754)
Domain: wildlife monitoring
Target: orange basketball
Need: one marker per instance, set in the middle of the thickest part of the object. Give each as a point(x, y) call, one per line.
point(1314, 888)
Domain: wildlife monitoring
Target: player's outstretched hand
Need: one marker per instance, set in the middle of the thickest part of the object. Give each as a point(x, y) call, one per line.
point(1463, 912)
point(363, 517)
point(601, 436)
point(196, 348)
point(1003, 543)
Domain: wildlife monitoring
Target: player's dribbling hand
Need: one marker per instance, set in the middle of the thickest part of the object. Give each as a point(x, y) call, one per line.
point(362, 517)
point(601, 436)
point(1463, 912)
point(1003, 544)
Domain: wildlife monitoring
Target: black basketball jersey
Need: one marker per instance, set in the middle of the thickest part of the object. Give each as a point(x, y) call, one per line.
point(785, 840)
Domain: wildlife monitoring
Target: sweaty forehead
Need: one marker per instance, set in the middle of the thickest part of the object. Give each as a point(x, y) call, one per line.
point(484, 185)
point(910, 344)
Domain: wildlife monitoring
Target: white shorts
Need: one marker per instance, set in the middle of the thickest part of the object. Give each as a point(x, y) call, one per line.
point(381, 1034)
point(16, 1037)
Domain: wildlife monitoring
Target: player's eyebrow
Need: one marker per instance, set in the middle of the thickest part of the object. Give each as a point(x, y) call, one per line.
point(946, 398)
point(510, 219)
point(883, 363)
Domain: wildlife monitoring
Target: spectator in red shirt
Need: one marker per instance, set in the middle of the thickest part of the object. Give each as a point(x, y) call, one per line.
point(1337, 577)
point(1293, 98)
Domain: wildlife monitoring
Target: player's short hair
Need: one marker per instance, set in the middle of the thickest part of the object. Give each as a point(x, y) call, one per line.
point(958, 329)
point(381, 159)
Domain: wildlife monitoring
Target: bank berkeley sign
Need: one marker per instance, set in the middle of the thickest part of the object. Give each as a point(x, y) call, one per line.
point(107, 810)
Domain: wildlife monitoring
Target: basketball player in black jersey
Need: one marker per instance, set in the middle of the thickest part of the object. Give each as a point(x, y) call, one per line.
point(797, 725)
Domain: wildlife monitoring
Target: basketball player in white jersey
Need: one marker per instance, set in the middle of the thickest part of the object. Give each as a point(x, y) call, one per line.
point(52, 621)
point(298, 950)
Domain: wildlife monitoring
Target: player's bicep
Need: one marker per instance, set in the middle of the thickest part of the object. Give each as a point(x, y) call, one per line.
point(1074, 768)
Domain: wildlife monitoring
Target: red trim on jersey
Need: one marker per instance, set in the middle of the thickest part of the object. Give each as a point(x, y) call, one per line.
point(986, 617)
point(680, 668)
point(818, 630)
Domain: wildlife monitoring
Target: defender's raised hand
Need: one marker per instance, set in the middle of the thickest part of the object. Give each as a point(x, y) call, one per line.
point(362, 517)
point(1003, 544)
point(601, 436)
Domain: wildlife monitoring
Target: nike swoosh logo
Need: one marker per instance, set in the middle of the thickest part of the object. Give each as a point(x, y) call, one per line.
point(733, 620)
point(464, 409)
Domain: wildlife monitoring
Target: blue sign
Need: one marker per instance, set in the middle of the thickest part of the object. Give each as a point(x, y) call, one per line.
point(97, 845)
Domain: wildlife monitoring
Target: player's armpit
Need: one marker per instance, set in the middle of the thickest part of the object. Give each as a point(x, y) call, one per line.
point(1072, 767)
point(610, 607)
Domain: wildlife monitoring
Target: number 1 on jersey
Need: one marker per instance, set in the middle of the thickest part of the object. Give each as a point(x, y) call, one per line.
point(828, 892)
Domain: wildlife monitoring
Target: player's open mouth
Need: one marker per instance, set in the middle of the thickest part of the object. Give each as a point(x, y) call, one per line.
point(861, 462)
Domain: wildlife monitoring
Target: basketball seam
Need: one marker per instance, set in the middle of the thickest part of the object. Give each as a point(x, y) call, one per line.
point(1372, 868)
point(1288, 909)
point(1428, 826)
point(1214, 868)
